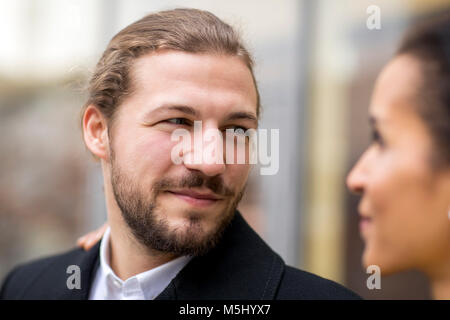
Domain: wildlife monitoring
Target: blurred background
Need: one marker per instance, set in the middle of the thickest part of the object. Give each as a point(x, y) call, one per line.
point(316, 63)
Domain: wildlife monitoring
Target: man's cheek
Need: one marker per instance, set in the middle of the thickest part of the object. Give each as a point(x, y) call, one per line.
point(236, 176)
point(156, 149)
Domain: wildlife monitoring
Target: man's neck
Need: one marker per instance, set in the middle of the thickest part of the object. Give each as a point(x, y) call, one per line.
point(128, 257)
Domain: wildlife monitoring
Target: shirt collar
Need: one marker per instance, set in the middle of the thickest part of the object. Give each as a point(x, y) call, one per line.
point(151, 282)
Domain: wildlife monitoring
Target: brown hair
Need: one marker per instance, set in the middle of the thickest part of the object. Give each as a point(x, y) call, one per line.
point(188, 30)
point(429, 42)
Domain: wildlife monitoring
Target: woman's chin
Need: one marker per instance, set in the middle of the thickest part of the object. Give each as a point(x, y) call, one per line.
point(366, 259)
point(385, 265)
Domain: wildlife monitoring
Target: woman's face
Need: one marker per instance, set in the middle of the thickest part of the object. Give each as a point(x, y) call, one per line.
point(405, 201)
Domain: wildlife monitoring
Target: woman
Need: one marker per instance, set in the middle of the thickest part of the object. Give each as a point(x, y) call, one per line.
point(404, 175)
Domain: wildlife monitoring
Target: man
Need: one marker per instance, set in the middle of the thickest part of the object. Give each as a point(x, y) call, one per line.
point(174, 230)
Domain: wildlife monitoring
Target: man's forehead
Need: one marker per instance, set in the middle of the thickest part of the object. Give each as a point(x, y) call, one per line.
point(180, 63)
point(170, 82)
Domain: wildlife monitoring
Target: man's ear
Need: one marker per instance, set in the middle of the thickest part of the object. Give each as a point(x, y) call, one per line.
point(95, 132)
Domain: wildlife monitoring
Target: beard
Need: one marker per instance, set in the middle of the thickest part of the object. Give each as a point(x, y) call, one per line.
point(149, 223)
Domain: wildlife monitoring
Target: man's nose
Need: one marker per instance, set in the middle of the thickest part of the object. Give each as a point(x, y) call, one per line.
point(206, 153)
point(208, 169)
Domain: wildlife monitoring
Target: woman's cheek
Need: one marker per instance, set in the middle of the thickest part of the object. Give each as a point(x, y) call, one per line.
point(396, 203)
point(378, 203)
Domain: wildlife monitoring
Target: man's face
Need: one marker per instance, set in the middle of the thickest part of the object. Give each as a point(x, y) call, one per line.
point(182, 208)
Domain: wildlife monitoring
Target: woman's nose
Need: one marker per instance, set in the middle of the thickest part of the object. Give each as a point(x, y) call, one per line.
point(357, 178)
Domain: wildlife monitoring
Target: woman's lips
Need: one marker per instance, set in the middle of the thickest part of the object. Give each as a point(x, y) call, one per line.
point(364, 225)
point(196, 198)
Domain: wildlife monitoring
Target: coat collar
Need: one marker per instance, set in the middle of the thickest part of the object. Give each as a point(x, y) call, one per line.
point(242, 266)
point(50, 276)
point(88, 262)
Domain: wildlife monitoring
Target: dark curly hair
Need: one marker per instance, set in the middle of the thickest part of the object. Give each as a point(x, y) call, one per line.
point(429, 42)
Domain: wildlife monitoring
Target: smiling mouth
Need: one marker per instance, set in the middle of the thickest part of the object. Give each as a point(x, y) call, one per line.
point(199, 199)
point(364, 224)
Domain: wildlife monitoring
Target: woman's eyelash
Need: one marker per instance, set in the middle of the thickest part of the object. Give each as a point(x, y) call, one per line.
point(376, 137)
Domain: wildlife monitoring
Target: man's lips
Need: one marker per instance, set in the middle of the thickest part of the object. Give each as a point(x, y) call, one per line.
point(196, 198)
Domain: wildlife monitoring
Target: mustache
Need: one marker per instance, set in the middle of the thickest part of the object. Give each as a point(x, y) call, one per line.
point(195, 180)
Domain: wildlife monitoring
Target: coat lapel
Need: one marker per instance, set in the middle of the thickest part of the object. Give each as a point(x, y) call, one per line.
point(88, 262)
point(242, 266)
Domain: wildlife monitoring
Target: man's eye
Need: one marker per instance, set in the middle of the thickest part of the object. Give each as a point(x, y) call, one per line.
point(238, 130)
point(178, 121)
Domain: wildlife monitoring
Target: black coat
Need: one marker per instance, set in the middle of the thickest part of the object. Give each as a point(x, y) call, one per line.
point(241, 266)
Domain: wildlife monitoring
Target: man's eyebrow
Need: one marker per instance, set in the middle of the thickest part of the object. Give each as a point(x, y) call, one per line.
point(184, 109)
point(242, 115)
point(239, 115)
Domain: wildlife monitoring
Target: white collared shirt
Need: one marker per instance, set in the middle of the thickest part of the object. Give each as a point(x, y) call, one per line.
point(143, 286)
